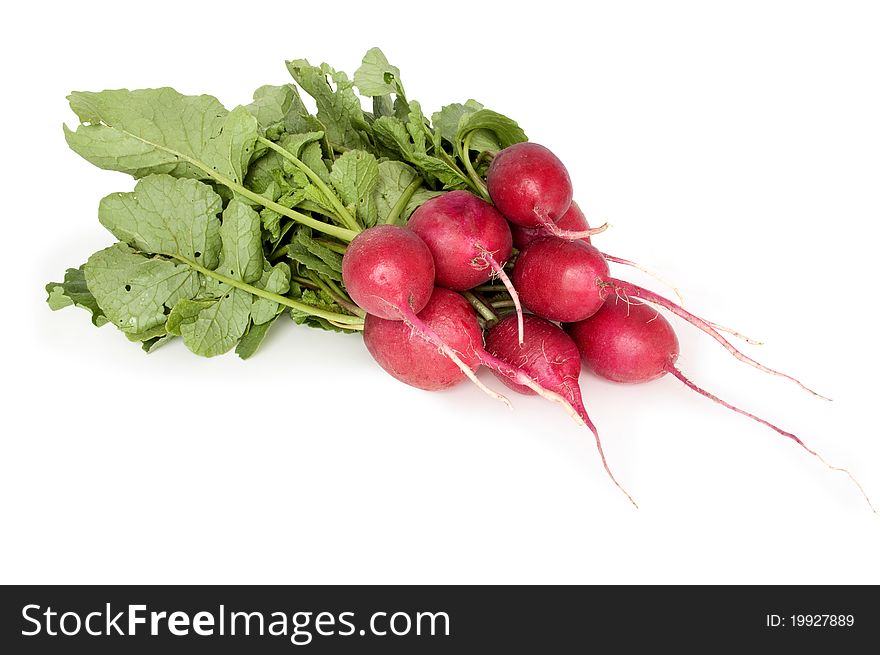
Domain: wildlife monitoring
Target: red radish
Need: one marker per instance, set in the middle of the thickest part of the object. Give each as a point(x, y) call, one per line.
point(568, 281)
point(548, 357)
point(469, 240)
point(560, 280)
point(531, 187)
point(630, 342)
point(418, 362)
point(389, 272)
point(572, 220)
point(410, 354)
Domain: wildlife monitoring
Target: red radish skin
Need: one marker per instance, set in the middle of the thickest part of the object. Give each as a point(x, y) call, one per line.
point(569, 281)
point(560, 280)
point(411, 359)
point(631, 342)
point(550, 358)
point(389, 272)
point(462, 231)
point(572, 220)
point(387, 268)
point(469, 240)
point(531, 187)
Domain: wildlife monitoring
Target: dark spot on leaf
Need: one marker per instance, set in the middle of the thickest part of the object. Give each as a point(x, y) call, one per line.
point(128, 287)
point(232, 272)
point(198, 254)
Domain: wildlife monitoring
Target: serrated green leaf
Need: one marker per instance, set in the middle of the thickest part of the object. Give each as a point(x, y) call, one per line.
point(376, 77)
point(275, 106)
point(354, 176)
point(339, 111)
point(74, 291)
point(447, 120)
point(275, 279)
point(167, 215)
point(242, 241)
point(134, 291)
point(211, 327)
point(162, 131)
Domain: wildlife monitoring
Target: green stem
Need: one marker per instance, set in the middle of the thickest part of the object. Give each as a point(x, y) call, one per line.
point(482, 309)
point(502, 304)
point(441, 154)
point(339, 298)
point(396, 212)
point(333, 230)
point(332, 245)
point(469, 167)
point(305, 282)
point(332, 198)
point(278, 254)
point(343, 319)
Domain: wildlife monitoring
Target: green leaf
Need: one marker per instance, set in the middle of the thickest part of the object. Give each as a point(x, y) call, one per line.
point(151, 345)
point(394, 177)
point(242, 241)
point(211, 327)
point(74, 291)
point(279, 107)
point(275, 279)
point(376, 77)
point(354, 176)
point(162, 131)
point(447, 120)
point(339, 111)
point(486, 123)
point(168, 216)
point(253, 338)
point(134, 291)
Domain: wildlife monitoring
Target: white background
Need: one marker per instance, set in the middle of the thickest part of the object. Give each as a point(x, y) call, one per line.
point(734, 147)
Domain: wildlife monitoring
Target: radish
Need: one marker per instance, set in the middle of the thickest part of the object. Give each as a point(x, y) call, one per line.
point(417, 362)
point(630, 342)
point(531, 187)
point(550, 358)
point(469, 240)
point(389, 272)
point(569, 281)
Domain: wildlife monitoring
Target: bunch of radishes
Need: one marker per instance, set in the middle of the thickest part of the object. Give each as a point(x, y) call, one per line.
point(422, 323)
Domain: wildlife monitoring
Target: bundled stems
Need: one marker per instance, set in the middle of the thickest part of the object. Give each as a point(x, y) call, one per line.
point(341, 212)
point(341, 320)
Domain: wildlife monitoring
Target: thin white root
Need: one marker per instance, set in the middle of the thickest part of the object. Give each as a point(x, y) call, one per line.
point(419, 327)
point(572, 235)
point(736, 334)
point(450, 353)
point(646, 271)
point(498, 270)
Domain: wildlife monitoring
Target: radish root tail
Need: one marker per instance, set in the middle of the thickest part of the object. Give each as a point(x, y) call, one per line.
point(734, 333)
point(696, 321)
point(421, 328)
point(648, 272)
point(572, 235)
point(576, 410)
point(693, 387)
